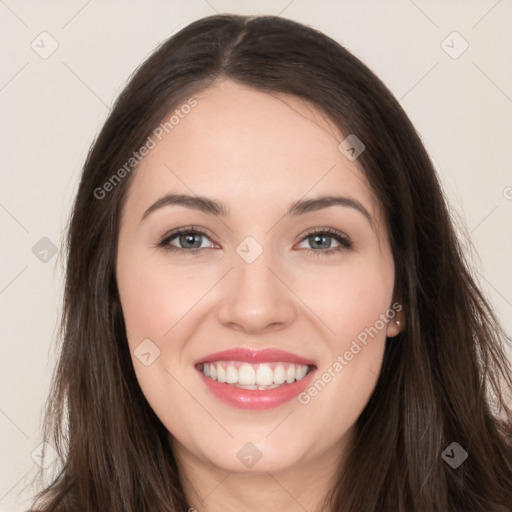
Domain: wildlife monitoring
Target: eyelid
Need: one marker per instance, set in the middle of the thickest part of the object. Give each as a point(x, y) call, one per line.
point(327, 230)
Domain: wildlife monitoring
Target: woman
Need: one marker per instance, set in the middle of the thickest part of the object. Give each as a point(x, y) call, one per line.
point(320, 343)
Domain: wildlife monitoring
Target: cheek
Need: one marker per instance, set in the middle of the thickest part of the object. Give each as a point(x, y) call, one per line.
point(155, 295)
point(350, 297)
point(161, 302)
point(351, 303)
point(157, 300)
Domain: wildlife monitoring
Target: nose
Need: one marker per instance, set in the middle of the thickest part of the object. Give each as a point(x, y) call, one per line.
point(255, 297)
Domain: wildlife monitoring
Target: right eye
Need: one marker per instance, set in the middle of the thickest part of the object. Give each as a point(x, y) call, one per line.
point(188, 240)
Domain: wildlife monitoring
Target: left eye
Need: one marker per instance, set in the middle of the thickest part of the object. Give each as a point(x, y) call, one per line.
point(323, 240)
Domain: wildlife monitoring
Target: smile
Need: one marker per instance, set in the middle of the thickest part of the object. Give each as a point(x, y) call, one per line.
point(255, 379)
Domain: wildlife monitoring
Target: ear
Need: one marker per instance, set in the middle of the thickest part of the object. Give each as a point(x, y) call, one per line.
point(396, 325)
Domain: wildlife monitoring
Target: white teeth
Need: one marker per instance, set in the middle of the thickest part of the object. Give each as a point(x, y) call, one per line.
point(254, 376)
point(221, 373)
point(231, 375)
point(279, 374)
point(247, 375)
point(290, 374)
point(265, 375)
point(301, 372)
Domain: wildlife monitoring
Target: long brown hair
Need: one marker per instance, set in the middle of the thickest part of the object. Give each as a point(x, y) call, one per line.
point(443, 378)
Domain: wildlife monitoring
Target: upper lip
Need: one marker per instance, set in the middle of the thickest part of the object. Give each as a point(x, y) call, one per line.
point(251, 355)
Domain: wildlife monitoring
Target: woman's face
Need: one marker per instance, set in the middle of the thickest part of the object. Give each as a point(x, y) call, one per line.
point(257, 282)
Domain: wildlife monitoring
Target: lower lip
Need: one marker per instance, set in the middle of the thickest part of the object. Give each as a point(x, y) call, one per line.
point(254, 399)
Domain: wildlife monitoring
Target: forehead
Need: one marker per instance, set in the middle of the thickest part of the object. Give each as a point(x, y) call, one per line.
point(249, 148)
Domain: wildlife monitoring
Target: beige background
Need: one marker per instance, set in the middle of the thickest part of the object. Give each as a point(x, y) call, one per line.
point(52, 108)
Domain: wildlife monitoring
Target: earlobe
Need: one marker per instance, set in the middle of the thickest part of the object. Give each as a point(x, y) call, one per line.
point(395, 327)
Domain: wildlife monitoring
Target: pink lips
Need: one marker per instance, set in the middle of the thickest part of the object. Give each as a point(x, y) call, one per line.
point(250, 399)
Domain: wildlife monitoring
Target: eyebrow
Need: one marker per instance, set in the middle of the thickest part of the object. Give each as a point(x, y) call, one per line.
point(218, 209)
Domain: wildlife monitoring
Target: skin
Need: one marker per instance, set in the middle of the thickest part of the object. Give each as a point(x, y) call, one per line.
point(257, 153)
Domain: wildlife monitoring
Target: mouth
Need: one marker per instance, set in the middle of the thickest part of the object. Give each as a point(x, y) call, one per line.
point(255, 379)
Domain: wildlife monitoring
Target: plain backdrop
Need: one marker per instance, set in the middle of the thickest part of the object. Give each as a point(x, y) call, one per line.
point(448, 63)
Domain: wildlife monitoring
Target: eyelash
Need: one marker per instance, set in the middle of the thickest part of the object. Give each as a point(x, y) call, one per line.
point(343, 240)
